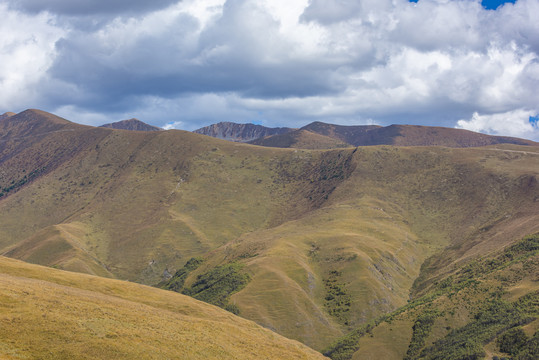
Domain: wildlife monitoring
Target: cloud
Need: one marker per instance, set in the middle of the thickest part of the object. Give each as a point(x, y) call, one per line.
point(512, 123)
point(88, 8)
point(276, 61)
point(27, 51)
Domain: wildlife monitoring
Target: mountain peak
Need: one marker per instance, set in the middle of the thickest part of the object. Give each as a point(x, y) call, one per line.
point(6, 115)
point(240, 132)
point(32, 122)
point(132, 124)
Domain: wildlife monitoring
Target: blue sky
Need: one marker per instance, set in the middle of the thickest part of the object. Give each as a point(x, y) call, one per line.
point(494, 4)
point(186, 64)
point(488, 4)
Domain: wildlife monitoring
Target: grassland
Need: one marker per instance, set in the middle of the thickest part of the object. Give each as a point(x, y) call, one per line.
point(488, 307)
point(330, 239)
point(51, 314)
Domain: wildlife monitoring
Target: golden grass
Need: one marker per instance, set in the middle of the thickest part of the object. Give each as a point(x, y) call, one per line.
point(51, 314)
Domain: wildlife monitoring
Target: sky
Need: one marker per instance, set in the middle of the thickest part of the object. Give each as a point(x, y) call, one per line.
point(187, 64)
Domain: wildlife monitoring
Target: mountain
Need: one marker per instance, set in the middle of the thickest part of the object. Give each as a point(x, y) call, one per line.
point(312, 244)
point(301, 139)
point(132, 124)
point(398, 135)
point(57, 314)
point(6, 115)
point(240, 132)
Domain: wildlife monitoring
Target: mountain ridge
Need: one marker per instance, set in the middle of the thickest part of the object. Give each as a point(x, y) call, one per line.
point(131, 124)
point(398, 135)
point(239, 132)
point(55, 313)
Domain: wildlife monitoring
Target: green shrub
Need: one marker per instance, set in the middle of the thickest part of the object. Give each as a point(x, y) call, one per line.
point(512, 341)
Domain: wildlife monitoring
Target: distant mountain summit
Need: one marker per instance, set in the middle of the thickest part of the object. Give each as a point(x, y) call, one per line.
point(240, 132)
point(6, 115)
point(33, 122)
point(319, 135)
point(132, 124)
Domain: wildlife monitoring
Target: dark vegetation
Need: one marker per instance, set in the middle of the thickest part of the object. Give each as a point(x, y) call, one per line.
point(214, 286)
point(337, 300)
point(493, 320)
point(496, 317)
point(15, 184)
point(420, 331)
point(175, 283)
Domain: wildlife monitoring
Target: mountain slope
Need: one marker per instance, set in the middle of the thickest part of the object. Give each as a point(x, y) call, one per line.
point(300, 139)
point(6, 115)
point(131, 124)
point(48, 313)
point(358, 255)
point(308, 243)
point(239, 132)
point(398, 135)
point(475, 311)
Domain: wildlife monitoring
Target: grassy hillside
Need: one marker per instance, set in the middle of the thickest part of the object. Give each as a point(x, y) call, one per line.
point(309, 243)
point(51, 314)
point(358, 255)
point(488, 307)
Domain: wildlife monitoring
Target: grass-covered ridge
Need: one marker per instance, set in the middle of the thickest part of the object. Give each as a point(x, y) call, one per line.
point(490, 299)
point(51, 314)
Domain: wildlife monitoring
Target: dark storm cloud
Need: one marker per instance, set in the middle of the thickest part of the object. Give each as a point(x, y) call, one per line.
point(89, 7)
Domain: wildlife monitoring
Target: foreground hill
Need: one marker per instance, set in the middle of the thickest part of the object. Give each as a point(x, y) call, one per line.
point(52, 314)
point(309, 243)
point(398, 135)
point(240, 132)
point(132, 124)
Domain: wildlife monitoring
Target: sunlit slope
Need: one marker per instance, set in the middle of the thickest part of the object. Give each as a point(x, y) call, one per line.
point(145, 202)
point(358, 256)
point(490, 301)
point(51, 314)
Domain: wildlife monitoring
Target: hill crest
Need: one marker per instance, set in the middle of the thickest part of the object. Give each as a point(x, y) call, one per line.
point(131, 124)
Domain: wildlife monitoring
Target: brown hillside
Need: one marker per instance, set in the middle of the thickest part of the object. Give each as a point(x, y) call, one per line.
point(51, 314)
point(132, 124)
point(6, 115)
point(301, 139)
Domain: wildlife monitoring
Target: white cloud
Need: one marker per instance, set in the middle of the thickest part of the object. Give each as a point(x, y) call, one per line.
point(276, 61)
point(512, 123)
point(26, 53)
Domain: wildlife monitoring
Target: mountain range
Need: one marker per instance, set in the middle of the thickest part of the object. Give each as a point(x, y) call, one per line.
point(347, 250)
point(319, 135)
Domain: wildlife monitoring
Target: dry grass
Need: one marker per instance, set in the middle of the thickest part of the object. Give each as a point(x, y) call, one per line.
point(131, 204)
point(51, 314)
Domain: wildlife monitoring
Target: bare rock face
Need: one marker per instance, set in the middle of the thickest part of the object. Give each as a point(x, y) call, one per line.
point(240, 132)
point(132, 124)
